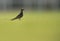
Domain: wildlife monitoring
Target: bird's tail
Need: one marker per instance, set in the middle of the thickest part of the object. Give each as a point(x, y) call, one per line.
point(13, 19)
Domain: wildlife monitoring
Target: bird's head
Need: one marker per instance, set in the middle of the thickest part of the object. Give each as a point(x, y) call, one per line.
point(22, 9)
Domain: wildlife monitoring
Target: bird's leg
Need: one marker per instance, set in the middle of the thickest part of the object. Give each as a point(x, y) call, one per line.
point(19, 18)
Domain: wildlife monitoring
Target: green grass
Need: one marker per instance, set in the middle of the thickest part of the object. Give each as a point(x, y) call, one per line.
point(34, 26)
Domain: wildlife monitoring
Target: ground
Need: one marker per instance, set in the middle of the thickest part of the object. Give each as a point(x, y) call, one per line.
point(34, 26)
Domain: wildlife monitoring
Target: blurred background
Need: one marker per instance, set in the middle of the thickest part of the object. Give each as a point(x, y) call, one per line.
point(31, 4)
point(41, 20)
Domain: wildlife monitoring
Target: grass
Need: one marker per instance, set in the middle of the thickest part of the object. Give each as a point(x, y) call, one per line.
point(34, 26)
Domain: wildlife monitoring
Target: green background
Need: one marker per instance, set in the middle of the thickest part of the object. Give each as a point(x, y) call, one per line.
point(34, 26)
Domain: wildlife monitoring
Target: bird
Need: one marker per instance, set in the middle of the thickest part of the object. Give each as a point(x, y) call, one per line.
point(19, 16)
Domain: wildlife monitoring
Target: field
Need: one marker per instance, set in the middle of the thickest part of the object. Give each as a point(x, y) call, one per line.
point(34, 26)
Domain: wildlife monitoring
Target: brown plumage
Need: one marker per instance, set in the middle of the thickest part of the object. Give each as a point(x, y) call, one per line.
point(19, 16)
